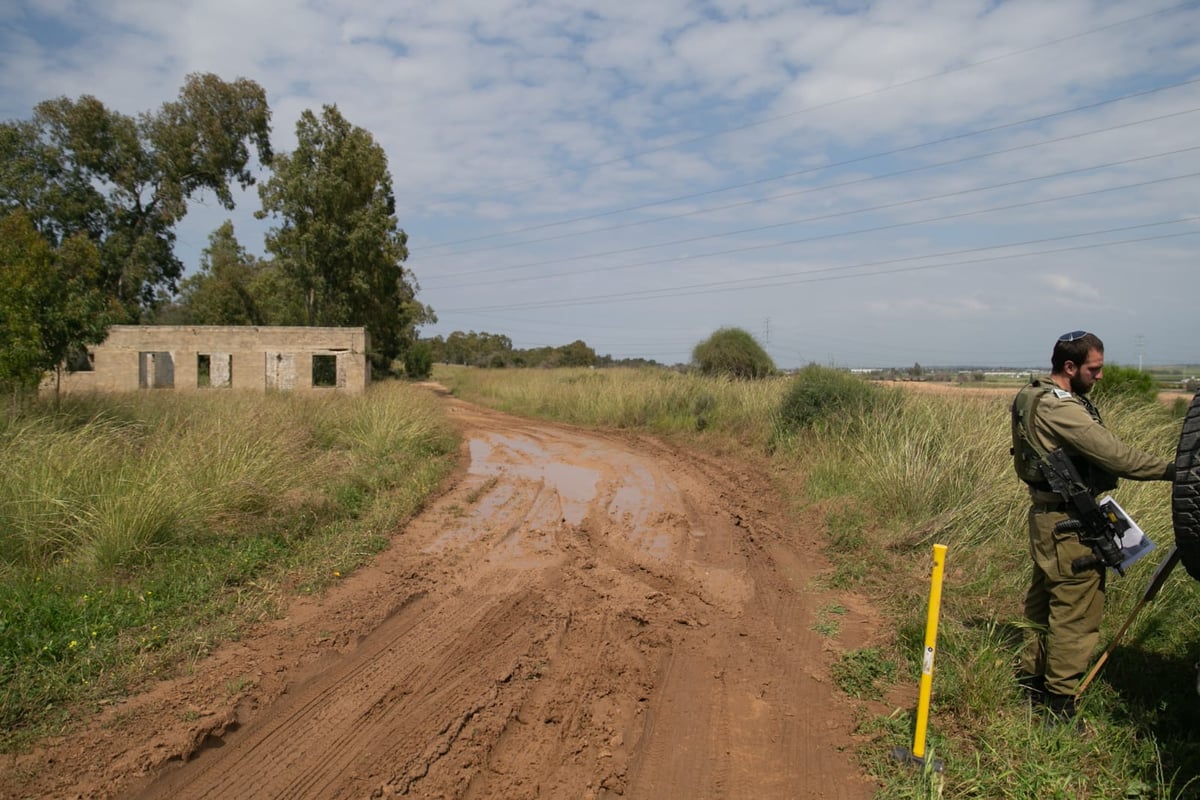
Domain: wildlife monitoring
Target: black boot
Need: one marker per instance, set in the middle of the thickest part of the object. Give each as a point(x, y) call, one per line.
point(1061, 704)
point(1033, 686)
point(1060, 710)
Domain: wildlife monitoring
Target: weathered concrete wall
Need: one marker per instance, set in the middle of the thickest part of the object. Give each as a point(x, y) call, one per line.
point(258, 358)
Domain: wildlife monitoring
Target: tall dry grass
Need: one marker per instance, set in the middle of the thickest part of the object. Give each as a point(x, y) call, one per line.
point(895, 476)
point(655, 399)
point(137, 531)
point(104, 483)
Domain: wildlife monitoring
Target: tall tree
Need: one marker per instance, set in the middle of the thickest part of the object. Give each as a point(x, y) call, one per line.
point(223, 292)
point(78, 167)
point(49, 301)
point(338, 240)
point(577, 354)
point(478, 349)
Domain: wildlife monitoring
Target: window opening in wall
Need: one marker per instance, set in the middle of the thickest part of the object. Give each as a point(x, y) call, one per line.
point(214, 370)
point(156, 370)
point(281, 371)
point(324, 370)
point(80, 359)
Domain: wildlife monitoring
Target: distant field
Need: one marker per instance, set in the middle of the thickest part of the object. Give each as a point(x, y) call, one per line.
point(1168, 396)
point(945, 387)
point(1174, 372)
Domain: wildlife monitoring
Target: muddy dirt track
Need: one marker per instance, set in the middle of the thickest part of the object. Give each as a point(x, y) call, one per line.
point(581, 615)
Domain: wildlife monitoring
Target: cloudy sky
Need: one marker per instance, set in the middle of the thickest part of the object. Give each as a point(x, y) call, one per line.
point(859, 183)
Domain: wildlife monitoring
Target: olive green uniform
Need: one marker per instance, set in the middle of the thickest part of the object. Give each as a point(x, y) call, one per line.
point(1064, 608)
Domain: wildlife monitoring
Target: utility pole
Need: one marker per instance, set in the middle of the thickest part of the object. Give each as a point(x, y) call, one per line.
point(1140, 342)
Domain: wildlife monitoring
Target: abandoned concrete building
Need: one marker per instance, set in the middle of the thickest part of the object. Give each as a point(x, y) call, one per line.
point(191, 357)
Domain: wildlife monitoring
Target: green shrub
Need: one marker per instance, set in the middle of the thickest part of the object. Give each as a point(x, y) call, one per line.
point(418, 361)
point(732, 351)
point(819, 395)
point(1128, 382)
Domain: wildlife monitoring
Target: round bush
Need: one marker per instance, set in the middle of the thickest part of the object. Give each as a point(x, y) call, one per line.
point(418, 361)
point(1125, 382)
point(734, 352)
point(819, 394)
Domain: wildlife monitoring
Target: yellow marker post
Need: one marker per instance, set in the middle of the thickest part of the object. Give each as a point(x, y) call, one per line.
point(917, 755)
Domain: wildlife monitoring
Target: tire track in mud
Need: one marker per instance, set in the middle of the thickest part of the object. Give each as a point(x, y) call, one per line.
point(582, 615)
point(774, 699)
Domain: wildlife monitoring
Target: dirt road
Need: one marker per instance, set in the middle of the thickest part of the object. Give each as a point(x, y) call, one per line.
point(581, 615)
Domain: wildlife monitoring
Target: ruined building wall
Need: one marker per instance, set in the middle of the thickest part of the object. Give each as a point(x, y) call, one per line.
point(192, 357)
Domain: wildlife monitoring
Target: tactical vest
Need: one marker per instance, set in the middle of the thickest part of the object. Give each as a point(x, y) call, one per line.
point(1027, 453)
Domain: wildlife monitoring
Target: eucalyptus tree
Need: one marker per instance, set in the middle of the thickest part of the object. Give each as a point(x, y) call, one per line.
point(225, 290)
point(124, 182)
point(337, 240)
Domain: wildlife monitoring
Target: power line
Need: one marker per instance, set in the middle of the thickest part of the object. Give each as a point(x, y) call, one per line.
point(812, 189)
point(804, 276)
point(976, 255)
point(806, 110)
point(882, 154)
point(673, 292)
point(874, 229)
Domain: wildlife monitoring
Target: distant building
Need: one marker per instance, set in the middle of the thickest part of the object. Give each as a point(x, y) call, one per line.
point(196, 357)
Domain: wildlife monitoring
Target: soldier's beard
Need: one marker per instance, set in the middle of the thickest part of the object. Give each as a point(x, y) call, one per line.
point(1078, 386)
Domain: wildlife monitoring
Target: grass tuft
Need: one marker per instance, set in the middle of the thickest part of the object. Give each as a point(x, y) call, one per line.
point(137, 532)
point(864, 673)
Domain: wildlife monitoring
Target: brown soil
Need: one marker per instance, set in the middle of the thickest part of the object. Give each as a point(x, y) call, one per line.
point(579, 615)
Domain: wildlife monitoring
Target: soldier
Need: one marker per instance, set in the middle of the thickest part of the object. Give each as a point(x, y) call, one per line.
point(1063, 608)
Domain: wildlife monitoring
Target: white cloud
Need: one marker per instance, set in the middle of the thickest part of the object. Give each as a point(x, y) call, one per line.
point(565, 144)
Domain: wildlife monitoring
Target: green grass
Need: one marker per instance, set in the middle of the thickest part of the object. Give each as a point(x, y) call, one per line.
point(661, 400)
point(939, 471)
point(904, 473)
point(827, 623)
point(137, 532)
point(864, 673)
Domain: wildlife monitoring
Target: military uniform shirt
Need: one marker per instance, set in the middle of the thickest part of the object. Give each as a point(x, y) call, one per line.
point(1064, 419)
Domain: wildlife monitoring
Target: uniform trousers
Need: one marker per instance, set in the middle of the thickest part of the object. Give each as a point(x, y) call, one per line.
point(1063, 608)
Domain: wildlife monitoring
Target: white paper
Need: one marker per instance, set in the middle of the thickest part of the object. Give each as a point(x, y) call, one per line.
point(1134, 542)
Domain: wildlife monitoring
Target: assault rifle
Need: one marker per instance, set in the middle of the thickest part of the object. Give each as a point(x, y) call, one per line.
point(1098, 525)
